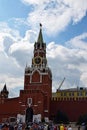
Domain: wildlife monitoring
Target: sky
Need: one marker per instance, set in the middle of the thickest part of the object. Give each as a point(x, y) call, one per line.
point(64, 28)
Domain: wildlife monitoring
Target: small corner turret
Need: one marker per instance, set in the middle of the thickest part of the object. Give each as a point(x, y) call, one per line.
point(4, 92)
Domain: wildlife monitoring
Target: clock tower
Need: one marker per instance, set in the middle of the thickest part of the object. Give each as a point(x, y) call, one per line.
point(39, 59)
point(38, 79)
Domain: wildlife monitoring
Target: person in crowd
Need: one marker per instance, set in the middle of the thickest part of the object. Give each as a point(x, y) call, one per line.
point(69, 128)
point(65, 127)
point(11, 127)
point(61, 127)
point(5, 127)
point(19, 126)
point(79, 127)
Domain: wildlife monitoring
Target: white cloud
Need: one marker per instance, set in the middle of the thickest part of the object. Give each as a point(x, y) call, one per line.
point(13, 83)
point(69, 61)
point(36, 2)
point(79, 42)
point(78, 9)
point(56, 15)
point(83, 78)
point(10, 72)
point(15, 51)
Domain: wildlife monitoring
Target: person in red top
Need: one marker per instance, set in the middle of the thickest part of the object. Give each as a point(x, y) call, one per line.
point(65, 127)
point(5, 127)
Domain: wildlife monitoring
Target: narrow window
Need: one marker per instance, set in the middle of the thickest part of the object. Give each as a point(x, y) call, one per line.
point(29, 100)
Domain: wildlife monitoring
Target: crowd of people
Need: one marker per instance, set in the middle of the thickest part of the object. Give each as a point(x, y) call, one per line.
point(33, 126)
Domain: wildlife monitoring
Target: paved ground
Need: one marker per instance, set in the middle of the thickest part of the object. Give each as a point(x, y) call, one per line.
point(75, 127)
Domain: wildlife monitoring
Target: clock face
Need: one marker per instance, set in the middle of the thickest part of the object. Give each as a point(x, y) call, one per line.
point(37, 60)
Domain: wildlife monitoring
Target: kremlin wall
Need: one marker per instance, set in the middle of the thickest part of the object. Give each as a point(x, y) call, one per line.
point(38, 92)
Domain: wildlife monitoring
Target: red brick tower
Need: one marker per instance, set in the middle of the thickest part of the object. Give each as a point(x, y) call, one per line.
point(38, 80)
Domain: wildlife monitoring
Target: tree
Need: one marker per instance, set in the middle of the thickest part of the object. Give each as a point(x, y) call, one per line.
point(82, 119)
point(61, 117)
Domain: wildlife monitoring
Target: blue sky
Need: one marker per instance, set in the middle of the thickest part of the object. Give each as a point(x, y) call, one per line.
point(64, 31)
point(13, 8)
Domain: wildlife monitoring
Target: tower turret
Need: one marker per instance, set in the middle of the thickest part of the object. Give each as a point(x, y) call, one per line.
point(39, 59)
point(4, 92)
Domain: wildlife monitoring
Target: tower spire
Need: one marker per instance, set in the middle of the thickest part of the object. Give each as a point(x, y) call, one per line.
point(40, 36)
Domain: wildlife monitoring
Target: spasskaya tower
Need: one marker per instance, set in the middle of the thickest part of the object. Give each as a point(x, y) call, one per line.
point(38, 79)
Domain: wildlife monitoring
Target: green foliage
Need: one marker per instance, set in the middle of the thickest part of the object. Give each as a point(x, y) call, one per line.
point(61, 117)
point(82, 119)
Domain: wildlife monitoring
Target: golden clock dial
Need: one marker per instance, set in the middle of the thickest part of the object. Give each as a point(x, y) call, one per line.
point(37, 60)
